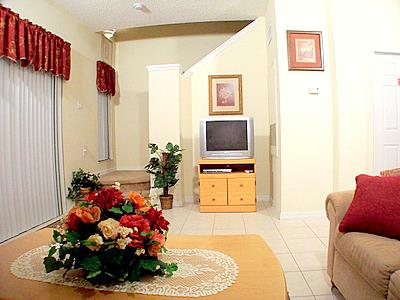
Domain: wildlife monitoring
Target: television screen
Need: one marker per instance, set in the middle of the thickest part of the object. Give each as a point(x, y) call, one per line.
point(226, 135)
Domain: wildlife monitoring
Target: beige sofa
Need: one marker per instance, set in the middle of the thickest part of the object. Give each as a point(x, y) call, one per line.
point(362, 266)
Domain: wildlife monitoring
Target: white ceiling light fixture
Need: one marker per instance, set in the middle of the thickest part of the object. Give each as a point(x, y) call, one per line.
point(109, 34)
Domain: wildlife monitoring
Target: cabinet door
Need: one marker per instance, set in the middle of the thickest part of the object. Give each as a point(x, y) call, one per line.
point(213, 192)
point(241, 191)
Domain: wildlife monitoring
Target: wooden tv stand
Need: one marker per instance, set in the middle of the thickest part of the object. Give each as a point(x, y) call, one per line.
point(233, 191)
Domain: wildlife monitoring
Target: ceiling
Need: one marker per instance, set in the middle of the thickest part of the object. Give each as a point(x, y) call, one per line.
point(100, 15)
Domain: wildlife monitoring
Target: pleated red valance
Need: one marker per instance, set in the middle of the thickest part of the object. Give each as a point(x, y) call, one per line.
point(30, 44)
point(105, 78)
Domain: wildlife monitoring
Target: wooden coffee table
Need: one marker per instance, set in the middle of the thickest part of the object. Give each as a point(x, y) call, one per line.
point(260, 274)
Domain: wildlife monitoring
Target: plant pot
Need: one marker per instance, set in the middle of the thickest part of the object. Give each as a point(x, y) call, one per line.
point(85, 190)
point(166, 201)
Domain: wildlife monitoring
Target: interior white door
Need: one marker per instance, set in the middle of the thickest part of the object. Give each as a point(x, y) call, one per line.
point(387, 112)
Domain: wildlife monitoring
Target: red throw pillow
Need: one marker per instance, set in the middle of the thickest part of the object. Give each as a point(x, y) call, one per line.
point(375, 208)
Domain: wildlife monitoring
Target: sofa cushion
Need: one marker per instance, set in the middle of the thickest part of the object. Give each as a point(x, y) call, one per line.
point(394, 286)
point(375, 207)
point(374, 257)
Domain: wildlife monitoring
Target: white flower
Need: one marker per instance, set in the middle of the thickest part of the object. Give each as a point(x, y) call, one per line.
point(158, 267)
point(96, 239)
point(122, 243)
point(124, 231)
point(117, 185)
point(138, 252)
point(109, 228)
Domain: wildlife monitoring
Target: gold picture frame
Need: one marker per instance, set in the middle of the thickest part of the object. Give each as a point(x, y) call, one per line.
point(225, 94)
point(305, 50)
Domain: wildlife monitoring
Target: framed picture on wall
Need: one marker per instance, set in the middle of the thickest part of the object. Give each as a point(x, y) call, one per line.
point(225, 94)
point(305, 50)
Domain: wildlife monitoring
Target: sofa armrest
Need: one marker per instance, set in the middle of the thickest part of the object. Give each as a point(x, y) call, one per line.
point(337, 204)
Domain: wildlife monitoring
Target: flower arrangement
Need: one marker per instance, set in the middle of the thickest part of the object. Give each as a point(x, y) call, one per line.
point(111, 239)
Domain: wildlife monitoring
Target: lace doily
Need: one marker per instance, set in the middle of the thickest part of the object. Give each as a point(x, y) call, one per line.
point(200, 272)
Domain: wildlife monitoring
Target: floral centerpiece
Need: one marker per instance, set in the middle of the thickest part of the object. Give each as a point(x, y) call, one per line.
point(111, 239)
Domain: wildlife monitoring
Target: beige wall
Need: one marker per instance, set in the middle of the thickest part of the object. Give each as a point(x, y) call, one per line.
point(246, 55)
point(79, 126)
point(356, 37)
point(136, 49)
point(306, 120)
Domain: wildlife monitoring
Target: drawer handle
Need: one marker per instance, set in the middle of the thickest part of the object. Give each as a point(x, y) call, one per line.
point(212, 185)
point(241, 185)
point(241, 199)
point(213, 199)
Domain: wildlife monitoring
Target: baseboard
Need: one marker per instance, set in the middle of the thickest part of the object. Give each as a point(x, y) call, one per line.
point(130, 168)
point(302, 215)
point(264, 198)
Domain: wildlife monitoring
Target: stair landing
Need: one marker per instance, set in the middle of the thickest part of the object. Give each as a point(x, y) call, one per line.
point(138, 181)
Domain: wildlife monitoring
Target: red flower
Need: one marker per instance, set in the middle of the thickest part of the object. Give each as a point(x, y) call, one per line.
point(106, 198)
point(139, 224)
point(72, 221)
point(156, 219)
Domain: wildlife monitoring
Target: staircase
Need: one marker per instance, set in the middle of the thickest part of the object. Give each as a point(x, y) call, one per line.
point(138, 181)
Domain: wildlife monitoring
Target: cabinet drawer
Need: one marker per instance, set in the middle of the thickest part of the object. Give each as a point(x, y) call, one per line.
point(218, 198)
point(212, 185)
point(244, 185)
point(237, 198)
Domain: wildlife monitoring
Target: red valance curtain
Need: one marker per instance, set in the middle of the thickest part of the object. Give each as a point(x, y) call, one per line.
point(105, 78)
point(30, 44)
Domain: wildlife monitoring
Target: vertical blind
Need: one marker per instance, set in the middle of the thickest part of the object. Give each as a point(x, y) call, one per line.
point(29, 180)
point(103, 127)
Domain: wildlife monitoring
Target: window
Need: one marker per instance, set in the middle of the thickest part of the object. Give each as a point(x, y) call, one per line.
point(104, 127)
point(30, 136)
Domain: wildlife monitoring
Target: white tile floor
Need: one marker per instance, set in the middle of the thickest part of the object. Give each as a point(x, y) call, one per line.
point(300, 245)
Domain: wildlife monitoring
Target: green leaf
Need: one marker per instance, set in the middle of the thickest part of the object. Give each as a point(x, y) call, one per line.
point(134, 274)
point(68, 263)
point(52, 250)
point(169, 147)
point(72, 237)
point(93, 274)
point(170, 269)
point(128, 208)
point(91, 264)
point(51, 264)
point(143, 233)
point(116, 210)
point(149, 264)
point(84, 203)
point(56, 234)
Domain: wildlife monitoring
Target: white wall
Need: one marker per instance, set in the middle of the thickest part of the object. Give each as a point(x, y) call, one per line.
point(356, 36)
point(306, 128)
point(79, 126)
point(135, 49)
point(246, 55)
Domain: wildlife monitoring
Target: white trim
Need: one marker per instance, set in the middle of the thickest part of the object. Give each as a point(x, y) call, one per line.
point(165, 67)
point(388, 52)
point(264, 198)
point(222, 47)
point(302, 215)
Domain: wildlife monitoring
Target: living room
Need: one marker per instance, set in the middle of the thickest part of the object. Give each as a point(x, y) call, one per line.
point(314, 130)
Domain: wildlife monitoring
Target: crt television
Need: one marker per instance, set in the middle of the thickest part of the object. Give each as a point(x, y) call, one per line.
point(226, 137)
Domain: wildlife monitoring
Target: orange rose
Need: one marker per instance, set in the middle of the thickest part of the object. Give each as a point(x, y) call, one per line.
point(88, 215)
point(137, 199)
point(158, 237)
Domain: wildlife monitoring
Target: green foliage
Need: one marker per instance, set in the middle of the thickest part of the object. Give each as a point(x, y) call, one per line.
point(116, 210)
point(82, 179)
point(105, 266)
point(127, 207)
point(164, 165)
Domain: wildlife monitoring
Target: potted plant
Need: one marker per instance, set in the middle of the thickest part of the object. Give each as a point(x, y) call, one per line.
point(164, 166)
point(83, 183)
